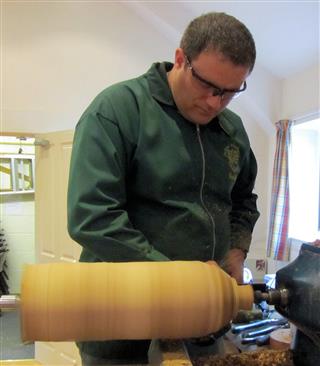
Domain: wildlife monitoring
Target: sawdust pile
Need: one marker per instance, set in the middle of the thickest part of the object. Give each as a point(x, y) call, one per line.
point(257, 358)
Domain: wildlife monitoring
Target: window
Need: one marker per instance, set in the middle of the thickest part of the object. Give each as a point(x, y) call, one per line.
point(16, 174)
point(17, 166)
point(304, 181)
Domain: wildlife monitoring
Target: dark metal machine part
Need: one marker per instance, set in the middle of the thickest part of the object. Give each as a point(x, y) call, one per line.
point(259, 340)
point(211, 338)
point(297, 297)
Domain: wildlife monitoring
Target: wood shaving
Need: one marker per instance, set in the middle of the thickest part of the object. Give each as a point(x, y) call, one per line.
point(256, 358)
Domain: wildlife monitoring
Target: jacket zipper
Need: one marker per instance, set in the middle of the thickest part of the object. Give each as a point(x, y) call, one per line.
point(203, 158)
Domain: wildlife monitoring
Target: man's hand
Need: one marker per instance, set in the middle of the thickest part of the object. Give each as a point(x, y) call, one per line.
point(316, 243)
point(233, 262)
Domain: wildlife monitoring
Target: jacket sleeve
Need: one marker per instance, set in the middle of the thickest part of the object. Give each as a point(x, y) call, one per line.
point(97, 216)
point(244, 212)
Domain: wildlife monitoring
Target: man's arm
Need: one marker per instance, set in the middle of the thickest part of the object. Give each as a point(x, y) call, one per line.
point(243, 217)
point(97, 216)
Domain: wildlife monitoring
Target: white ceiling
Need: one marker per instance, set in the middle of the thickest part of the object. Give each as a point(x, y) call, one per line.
point(286, 32)
point(57, 54)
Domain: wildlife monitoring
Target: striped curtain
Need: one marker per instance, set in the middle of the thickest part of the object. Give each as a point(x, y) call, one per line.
point(278, 242)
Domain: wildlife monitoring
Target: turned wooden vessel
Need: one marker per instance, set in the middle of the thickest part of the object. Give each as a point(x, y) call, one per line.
point(136, 300)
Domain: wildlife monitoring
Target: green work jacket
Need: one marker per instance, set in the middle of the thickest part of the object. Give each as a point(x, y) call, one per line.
point(148, 185)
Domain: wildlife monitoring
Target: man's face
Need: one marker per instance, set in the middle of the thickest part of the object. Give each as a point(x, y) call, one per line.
point(191, 84)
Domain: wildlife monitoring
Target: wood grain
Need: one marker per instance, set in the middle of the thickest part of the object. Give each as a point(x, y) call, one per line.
point(137, 300)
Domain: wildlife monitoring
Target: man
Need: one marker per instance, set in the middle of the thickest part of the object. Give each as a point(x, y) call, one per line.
point(161, 170)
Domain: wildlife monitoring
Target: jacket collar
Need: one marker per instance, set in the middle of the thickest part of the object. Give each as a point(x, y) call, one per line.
point(158, 82)
point(225, 122)
point(160, 90)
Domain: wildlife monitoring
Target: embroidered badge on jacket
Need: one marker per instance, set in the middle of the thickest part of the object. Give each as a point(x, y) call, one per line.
point(232, 153)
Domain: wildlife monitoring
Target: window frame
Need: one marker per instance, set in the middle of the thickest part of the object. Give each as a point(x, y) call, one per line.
point(293, 232)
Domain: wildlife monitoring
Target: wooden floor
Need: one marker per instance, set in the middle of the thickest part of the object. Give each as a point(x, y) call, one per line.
point(19, 363)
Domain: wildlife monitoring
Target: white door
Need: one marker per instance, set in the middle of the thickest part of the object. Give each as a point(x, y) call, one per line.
point(53, 244)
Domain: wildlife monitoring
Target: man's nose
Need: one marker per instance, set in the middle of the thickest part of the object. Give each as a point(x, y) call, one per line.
point(214, 101)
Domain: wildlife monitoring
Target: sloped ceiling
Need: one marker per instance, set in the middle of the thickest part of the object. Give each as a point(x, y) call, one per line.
point(57, 55)
point(286, 32)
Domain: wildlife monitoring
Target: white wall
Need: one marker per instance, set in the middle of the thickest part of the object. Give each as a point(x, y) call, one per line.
point(59, 56)
point(300, 93)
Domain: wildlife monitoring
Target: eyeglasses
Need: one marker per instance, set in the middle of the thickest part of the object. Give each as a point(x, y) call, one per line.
point(225, 94)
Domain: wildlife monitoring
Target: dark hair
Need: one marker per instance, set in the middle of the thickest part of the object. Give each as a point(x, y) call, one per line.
point(219, 32)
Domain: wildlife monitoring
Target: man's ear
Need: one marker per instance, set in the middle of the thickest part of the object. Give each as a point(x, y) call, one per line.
point(179, 59)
